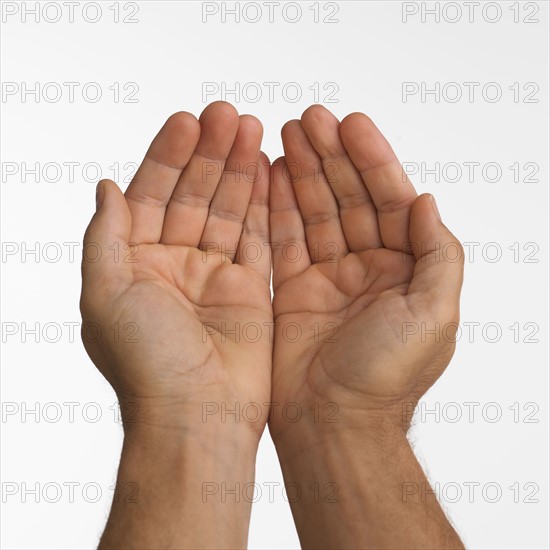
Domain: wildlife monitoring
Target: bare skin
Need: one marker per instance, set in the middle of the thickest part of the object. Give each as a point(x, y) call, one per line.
point(355, 277)
point(340, 194)
point(191, 212)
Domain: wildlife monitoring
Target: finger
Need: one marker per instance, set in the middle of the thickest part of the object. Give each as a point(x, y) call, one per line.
point(228, 208)
point(318, 206)
point(387, 183)
point(288, 240)
point(438, 272)
point(153, 184)
point(187, 210)
point(106, 245)
point(254, 244)
point(357, 212)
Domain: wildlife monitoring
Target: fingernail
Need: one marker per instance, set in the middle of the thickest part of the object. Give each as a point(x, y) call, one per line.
point(434, 206)
point(99, 194)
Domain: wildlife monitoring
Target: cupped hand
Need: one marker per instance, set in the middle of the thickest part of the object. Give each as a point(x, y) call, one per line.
point(175, 268)
point(363, 270)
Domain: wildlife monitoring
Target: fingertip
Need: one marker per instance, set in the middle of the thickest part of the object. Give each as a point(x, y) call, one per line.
point(219, 124)
point(427, 228)
point(104, 192)
point(278, 166)
point(321, 128)
point(112, 218)
point(245, 149)
point(356, 117)
point(422, 218)
point(275, 174)
point(114, 202)
point(439, 255)
point(249, 134)
point(175, 141)
point(434, 207)
point(108, 182)
point(260, 189)
point(222, 110)
point(355, 123)
point(251, 124)
point(281, 189)
point(315, 112)
point(425, 207)
point(265, 168)
point(99, 194)
point(289, 127)
point(221, 119)
point(364, 142)
point(182, 122)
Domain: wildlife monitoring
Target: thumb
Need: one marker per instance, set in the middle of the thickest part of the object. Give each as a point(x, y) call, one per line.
point(439, 268)
point(106, 252)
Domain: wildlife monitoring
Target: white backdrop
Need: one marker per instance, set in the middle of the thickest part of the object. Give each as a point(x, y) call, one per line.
point(461, 93)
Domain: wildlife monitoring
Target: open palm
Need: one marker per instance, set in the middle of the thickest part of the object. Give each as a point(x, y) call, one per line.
point(358, 279)
point(181, 287)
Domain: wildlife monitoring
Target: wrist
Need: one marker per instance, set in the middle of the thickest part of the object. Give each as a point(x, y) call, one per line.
point(373, 429)
point(174, 486)
point(174, 423)
point(375, 483)
point(207, 447)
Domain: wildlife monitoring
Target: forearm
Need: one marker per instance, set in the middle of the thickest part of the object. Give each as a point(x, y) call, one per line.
point(169, 491)
point(383, 498)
